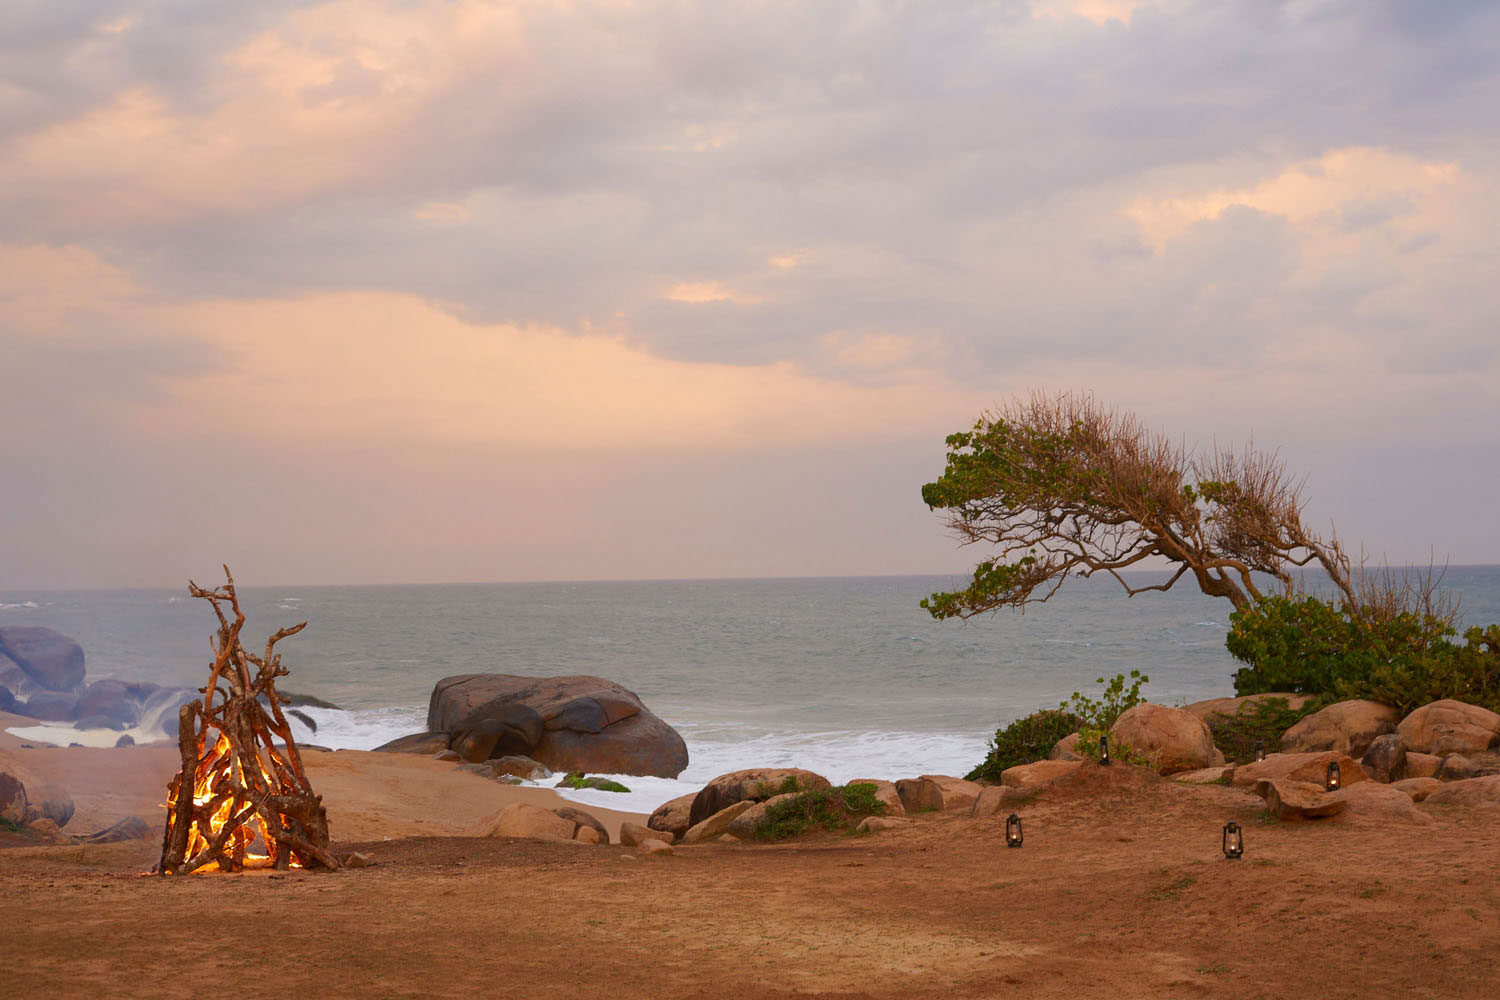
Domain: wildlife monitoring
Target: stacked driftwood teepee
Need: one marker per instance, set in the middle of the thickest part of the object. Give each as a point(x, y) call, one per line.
point(242, 799)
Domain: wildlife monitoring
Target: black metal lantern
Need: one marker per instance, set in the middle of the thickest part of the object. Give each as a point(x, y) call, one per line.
point(1104, 750)
point(1013, 830)
point(1260, 749)
point(1334, 781)
point(1234, 841)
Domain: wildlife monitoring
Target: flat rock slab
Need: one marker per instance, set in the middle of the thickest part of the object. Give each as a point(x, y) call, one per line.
point(1311, 768)
point(1417, 788)
point(1369, 802)
point(1469, 792)
point(1204, 776)
point(1287, 799)
point(718, 824)
point(1232, 706)
point(1038, 774)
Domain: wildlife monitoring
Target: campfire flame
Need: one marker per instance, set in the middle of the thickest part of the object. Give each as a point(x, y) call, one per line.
point(249, 844)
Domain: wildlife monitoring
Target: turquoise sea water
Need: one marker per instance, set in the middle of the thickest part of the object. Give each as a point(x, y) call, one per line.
point(847, 676)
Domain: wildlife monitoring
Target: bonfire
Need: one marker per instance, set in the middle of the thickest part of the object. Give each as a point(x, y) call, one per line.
point(241, 799)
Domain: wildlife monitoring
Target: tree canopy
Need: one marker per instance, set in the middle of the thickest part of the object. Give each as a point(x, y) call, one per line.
point(1059, 485)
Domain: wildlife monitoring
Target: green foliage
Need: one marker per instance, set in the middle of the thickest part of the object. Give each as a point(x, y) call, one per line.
point(10, 826)
point(1113, 701)
point(1087, 747)
point(789, 785)
point(576, 779)
point(836, 809)
point(1266, 719)
point(1025, 741)
point(1312, 646)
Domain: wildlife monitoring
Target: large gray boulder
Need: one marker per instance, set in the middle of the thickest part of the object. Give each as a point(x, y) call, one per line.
point(49, 659)
point(576, 723)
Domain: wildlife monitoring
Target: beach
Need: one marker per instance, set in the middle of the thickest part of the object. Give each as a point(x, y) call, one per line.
point(1119, 890)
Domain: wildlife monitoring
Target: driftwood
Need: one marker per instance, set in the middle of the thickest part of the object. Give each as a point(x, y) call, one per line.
point(240, 800)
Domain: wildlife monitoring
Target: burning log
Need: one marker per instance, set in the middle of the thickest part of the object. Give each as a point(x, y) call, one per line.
point(240, 801)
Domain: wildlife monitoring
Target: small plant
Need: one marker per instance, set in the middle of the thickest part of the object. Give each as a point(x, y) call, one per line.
point(1114, 701)
point(1025, 741)
point(576, 779)
point(10, 826)
point(1266, 719)
point(1087, 747)
point(788, 786)
point(838, 808)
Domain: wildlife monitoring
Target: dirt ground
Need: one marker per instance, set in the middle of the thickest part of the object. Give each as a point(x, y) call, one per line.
point(1116, 895)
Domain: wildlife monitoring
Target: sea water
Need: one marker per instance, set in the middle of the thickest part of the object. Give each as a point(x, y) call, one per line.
point(847, 677)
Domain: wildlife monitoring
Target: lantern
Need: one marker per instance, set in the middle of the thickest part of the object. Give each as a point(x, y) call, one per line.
point(1334, 781)
point(1260, 749)
point(1234, 841)
point(1013, 830)
point(1104, 750)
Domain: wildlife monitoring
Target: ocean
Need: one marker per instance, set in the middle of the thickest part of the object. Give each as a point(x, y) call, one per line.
point(847, 677)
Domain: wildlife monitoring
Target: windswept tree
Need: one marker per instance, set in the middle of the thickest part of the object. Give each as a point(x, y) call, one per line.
point(1059, 485)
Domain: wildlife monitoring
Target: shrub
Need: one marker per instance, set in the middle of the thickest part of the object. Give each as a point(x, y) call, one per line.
point(1267, 719)
point(838, 808)
point(576, 779)
point(1024, 741)
point(1114, 701)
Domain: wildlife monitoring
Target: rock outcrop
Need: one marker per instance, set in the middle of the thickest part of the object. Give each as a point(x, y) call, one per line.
point(937, 793)
point(1469, 792)
point(1297, 799)
point(1347, 726)
point(1310, 768)
point(1449, 726)
point(1233, 706)
point(576, 723)
point(1385, 760)
point(672, 816)
point(49, 659)
point(1172, 739)
point(753, 785)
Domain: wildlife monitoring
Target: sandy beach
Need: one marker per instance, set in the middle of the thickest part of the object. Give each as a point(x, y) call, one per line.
point(1116, 892)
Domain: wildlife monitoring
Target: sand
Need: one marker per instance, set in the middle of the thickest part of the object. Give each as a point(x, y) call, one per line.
point(1115, 893)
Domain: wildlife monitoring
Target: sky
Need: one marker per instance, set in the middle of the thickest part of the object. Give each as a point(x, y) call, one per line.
point(418, 291)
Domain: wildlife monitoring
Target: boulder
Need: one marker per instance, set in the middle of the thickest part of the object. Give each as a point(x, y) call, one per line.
point(7, 699)
point(1417, 789)
point(1347, 726)
point(49, 659)
point(587, 835)
point(717, 824)
point(633, 834)
point(583, 819)
point(1385, 760)
point(506, 731)
point(48, 831)
point(12, 799)
point(1449, 726)
point(1203, 776)
point(654, 847)
point(672, 816)
point(995, 799)
point(1456, 767)
point(1298, 799)
point(1309, 768)
point(129, 828)
point(108, 704)
point(49, 801)
point(12, 679)
point(125, 740)
point(885, 791)
point(1377, 804)
point(1232, 706)
point(937, 793)
point(49, 706)
point(423, 743)
point(520, 767)
point(1038, 774)
point(1469, 792)
point(753, 784)
point(746, 823)
point(1173, 740)
point(1422, 765)
point(522, 819)
point(1066, 748)
point(576, 723)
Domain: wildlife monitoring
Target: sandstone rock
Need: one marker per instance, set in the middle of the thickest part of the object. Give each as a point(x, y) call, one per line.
point(1417, 789)
point(354, 859)
point(1298, 799)
point(48, 801)
point(1448, 726)
point(46, 829)
point(447, 755)
point(586, 835)
point(1369, 802)
point(129, 828)
point(753, 784)
point(49, 659)
point(521, 767)
point(1038, 774)
point(885, 791)
point(717, 824)
point(937, 793)
point(745, 824)
point(1203, 776)
point(1469, 792)
point(1385, 760)
point(995, 799)
point(1310, 768)
point(521, 819)
point(654, 847)
point(1066, 748)
point(1422, 765)
point(1456, 767)
point(586, 723)
point(874, 824)
point(425, 743)
point(478, 740)
point(1173, 740)
point(12, 799)
point(1232, 706)
point(633, 834)
point(1348, 726)
point(584, 819)
point(672, 816)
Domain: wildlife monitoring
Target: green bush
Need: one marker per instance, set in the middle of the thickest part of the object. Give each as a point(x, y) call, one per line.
point(576, 779)
point(1311, 646)
point(1266, 719)
point(1114, 701)
point(1024, 741)
point(838, 809)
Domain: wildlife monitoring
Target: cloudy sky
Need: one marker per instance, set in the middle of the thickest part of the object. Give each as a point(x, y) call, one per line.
point(413, 290)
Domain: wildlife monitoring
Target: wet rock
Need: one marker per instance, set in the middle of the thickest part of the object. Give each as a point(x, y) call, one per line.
point(424, 743)
point(49, 659)
point(520, 767)
point(108, 704)
point(125, 740)
point(49, 706)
